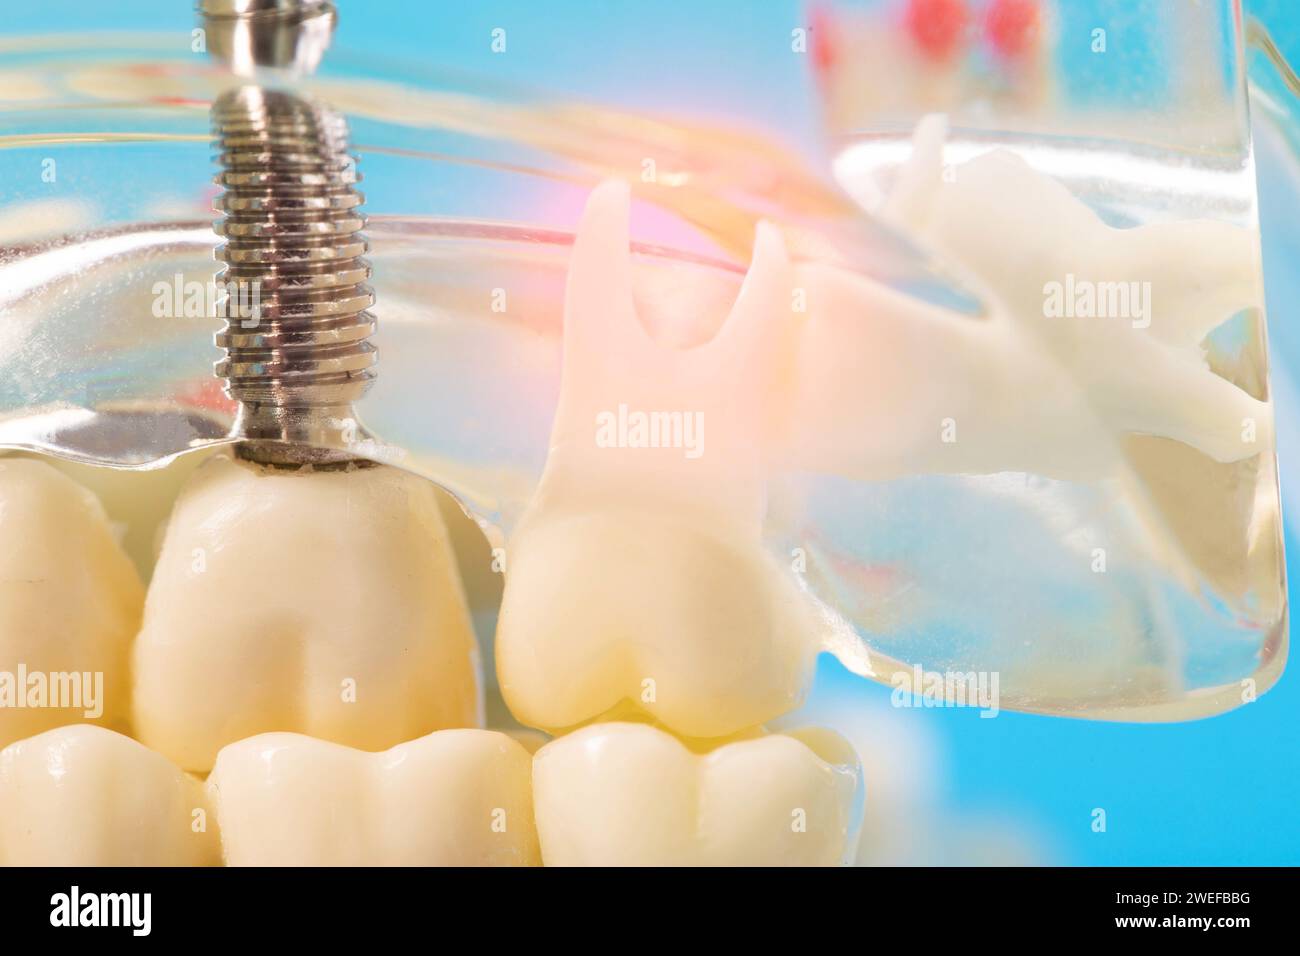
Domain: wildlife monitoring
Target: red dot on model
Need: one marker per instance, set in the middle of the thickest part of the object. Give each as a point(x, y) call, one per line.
point(936, 26)
point(1012, 26)
point(823, 40)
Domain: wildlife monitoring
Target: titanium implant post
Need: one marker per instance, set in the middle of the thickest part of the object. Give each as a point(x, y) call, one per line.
point(293, 252)
point(295, 278)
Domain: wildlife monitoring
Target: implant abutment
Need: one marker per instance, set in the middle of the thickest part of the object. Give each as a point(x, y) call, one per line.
point(248, 35)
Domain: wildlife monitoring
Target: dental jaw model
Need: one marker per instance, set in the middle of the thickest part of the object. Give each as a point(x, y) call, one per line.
point(305, 641)
point(637, 586)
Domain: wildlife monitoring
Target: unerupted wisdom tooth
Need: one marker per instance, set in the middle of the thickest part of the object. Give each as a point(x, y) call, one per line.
point(1095, 333)
point(69, 605)
point(637, 573)
point(86, 796)
point(326, 602)
point(622, 794)
point(452, 798)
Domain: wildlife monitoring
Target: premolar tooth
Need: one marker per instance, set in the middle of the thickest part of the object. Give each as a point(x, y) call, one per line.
point(325, 602)
point(638, 573)
point(623, 794)
point(86, 796)
point(69, 603)
point(452, 798)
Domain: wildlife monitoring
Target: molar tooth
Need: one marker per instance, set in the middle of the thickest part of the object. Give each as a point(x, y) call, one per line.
point(639, 573)
point(86, 796)
point(326, 602)
point(623, 794)
point(69, 601)
point(452, 798)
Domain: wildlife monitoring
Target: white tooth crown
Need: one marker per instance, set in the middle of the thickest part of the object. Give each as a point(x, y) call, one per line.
point(86, 796)
point(638, 573)
point(452, 798)
point(622, 794)
point(687, 624)
point(69, 599)
point(323, 602)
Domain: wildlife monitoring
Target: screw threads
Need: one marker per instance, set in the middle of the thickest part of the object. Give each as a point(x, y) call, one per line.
point(296, 300)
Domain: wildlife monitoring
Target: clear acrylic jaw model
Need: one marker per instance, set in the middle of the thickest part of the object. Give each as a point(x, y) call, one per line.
point(997, 403)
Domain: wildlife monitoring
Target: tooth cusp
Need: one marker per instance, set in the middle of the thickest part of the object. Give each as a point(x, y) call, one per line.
point(699, 630)
point(452, 798)
point(86, 796)
point(623, 794)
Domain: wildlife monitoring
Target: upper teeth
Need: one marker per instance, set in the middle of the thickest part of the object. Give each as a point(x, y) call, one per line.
point(69, 605)
point(326, 602)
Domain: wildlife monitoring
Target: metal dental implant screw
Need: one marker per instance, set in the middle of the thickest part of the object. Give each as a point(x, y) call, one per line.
point(294, 251)
point(296, 303)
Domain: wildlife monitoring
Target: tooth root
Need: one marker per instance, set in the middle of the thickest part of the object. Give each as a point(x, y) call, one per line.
point(324, 602)
point(452, 798)
point(1112, 319)
point(744, 350)
point(86, 796)
point(69, 600)
point(919, 178)
point(610, 363)
point(623, 794)
point(638, 573)
point(599, 315)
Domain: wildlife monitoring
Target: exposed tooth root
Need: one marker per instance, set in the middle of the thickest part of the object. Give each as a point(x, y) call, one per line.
point(1101, 326)
point(632, 795)
point(69, 604)
point(325, 602)
point(453, 798)
point(638, 572)
point(85, 796)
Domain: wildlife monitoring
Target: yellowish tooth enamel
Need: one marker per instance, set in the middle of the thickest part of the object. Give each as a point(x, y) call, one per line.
point(86, 796)
point(624, 794)
point(638, 573)
point(69, 605)
point(326, 602)
point(453, 798)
